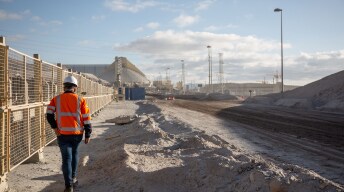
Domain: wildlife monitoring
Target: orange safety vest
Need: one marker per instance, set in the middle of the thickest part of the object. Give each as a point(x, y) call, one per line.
point(71, 113)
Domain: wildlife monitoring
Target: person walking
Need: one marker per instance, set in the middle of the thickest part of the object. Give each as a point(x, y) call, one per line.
point(69, 116)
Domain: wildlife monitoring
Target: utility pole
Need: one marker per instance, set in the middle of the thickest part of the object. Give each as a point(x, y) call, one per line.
point(221, 71)
point(168, 82)
point(282, 84)
point(210, 68)
point(183, 76)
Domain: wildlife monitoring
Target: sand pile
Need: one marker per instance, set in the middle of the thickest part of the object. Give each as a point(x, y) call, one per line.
point(324, 94)
point(159, 152)
point(145, 156)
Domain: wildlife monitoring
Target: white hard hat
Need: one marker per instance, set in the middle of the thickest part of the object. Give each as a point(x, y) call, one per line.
point(71, 79)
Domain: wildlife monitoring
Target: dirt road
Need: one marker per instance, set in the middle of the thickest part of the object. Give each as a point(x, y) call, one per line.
point(169, 148)
point(323, 127)
point(315, 136)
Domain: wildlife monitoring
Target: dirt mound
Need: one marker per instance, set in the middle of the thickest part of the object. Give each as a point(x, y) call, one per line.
point(324, 94)
point(159, 152)
point(146, 158)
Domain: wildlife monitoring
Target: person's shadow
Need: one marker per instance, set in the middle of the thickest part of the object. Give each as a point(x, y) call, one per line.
point(57, 182)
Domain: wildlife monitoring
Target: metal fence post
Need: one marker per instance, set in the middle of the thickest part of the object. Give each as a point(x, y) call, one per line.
point(3, 101)
point(39, 97)
point(59, 78)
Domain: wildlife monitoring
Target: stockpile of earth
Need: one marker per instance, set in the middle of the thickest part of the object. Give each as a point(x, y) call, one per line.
point(159, 152)
point(324, 94)
point(143, 157)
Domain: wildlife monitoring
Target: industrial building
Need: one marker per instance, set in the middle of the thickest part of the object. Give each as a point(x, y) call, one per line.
point(120, 72)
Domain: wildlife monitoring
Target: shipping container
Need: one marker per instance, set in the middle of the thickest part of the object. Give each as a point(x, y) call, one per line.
point(137, 93)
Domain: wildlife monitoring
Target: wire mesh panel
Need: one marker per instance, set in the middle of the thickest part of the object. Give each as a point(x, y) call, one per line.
point(49, 133)
point(99, 89)
point(32, 78)
point(89, 87)
point(3, 152)
point(94, 88)
point(64, 75)
point(35, 129)
point(83, 85)
point(48, 84)
point(19, 136)
point(58, 80)
point(5, 143)
point(16, 74)
point(24, 128)
point(78, 77)
point(3, 59)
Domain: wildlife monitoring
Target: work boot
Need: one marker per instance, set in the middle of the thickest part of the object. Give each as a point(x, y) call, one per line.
point(69, 189)
point(75, 182)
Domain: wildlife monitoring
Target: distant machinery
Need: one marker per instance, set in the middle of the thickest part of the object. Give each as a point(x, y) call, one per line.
point(275, 77)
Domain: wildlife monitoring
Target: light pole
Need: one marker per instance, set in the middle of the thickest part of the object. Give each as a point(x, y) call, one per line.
point(282, 85)
point(210, 68)
point(183, 76)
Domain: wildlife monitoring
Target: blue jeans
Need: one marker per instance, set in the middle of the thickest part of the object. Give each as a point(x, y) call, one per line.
point(69, 145)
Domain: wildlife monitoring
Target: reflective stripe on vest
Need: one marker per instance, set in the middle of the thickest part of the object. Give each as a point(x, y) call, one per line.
point(68, 114)
point(87, 122)
point(85, 115)
point(72, 129)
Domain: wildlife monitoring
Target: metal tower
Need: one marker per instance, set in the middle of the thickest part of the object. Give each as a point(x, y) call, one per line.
point(210, 68)
point(118, 70)
point(221, 71)
point(183, 76)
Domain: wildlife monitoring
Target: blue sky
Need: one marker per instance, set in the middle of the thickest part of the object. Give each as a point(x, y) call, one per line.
point(156, 35)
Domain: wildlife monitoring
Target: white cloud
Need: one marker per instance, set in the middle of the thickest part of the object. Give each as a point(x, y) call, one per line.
point(153, 25)
point(122, 5)
point(246, 58)
point(168, 47)
point(308, 67)
point(9, 16)
point(204, 5)
point(139, 29)
point(98, 17)
point(185, 20)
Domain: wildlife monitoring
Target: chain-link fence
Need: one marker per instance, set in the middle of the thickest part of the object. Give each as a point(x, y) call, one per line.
point(27, 84)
